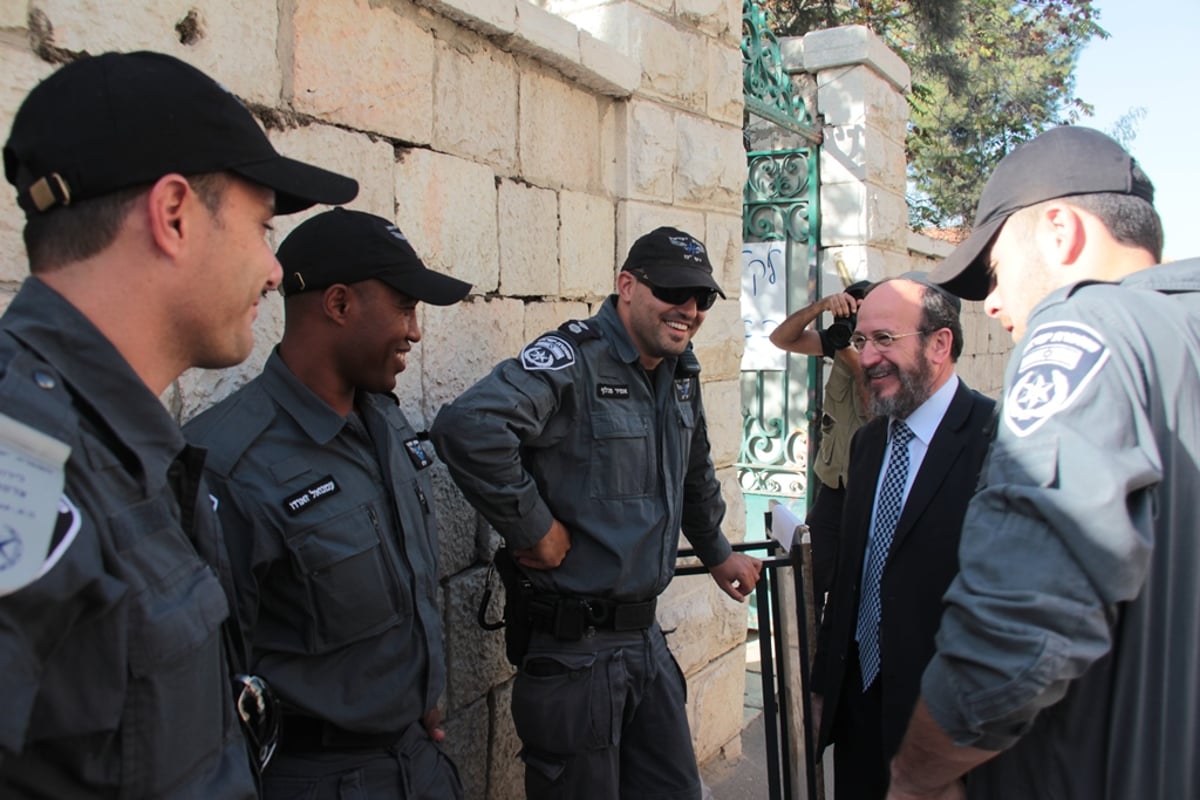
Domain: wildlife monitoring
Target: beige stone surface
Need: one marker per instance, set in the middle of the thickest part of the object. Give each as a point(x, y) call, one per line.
point(725, 96)
point(235, 39)
point(489, 17)
point(475, 657)
point(720, 342)
point(333, 39)
point(467, 733)
point(722, 403)
point(853, 95)
point(506, 771)
point(475, 105)
point(700, 619)
point(723, 238)
point(674, 59)
point(711, 167)
point(560, 133)
point(457, 522)
point(470, 338)
point(13, 13)
point(528, 240)
point(586, 244)
point(611, 71)
point(546, 316)
point(20, 71)
point(649, 151)
point(546, 36)
point(713, 717)
point(448, 205)
point(635, 219)
point(862, 153)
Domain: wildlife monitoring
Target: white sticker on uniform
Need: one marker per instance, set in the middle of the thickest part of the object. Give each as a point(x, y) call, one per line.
point(548, 352)
point(1059, 360)
point(31, 502)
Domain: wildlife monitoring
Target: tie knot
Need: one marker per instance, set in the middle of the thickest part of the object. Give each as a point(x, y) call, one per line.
point(901, 433)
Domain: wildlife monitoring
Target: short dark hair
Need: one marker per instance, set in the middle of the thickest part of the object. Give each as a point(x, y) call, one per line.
point(1131, 220)
point(937, 312)
point(81, 230)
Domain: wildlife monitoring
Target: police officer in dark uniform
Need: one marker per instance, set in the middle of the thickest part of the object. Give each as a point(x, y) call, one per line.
point(322, 486)
point(589, 453)
point(146, 188)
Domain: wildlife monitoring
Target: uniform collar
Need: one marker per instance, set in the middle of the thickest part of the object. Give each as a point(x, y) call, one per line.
point(314, 416)
point(98, 376)
point(621, 344)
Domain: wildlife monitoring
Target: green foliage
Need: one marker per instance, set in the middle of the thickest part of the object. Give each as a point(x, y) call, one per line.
point(986, 76)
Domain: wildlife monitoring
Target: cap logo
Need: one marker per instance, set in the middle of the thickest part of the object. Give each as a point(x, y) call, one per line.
point(395, 232)
point(692, 249)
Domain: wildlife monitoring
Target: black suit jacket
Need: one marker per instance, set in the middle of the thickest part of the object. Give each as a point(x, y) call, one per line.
point(921, 563)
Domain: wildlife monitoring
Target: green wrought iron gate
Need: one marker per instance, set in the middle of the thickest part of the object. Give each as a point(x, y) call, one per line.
point(780, 273)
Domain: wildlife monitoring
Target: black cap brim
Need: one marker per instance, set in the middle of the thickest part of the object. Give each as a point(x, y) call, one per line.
point(298, 185)
point(674, 276)
point(428, 286)
point(965, 271)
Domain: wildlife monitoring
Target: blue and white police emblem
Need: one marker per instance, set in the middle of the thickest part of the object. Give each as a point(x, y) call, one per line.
point(683, 389)
point(692, 249)
point(1059, 360)
point(549, 352)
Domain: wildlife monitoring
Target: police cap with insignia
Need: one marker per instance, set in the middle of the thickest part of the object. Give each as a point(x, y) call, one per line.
point(121, 120)
point(343, 246)
point(672, 259)
point(1061, 162)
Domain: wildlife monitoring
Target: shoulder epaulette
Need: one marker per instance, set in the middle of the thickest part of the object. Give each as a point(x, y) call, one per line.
point(229, 428)
point(579, 330)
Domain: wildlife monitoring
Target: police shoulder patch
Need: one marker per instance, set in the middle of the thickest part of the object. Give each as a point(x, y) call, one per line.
point(1059, 360)
point(550, 352)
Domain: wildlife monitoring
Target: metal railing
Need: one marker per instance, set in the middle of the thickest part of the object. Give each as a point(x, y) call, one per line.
point(776, 665)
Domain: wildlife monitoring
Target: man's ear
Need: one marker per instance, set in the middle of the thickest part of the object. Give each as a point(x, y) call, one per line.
point(170, 204)
point(337, 302)
point(625, 284)
point(1061, 234)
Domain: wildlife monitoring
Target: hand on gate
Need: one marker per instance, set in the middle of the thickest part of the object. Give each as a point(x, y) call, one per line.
point(737, 575)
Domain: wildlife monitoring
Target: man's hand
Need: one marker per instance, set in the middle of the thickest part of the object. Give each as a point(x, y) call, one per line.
point(737, 575)
point(841, 304)
point(432, 722)
point(550, 550)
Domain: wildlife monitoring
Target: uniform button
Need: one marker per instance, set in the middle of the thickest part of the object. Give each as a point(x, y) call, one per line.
point(44, 379)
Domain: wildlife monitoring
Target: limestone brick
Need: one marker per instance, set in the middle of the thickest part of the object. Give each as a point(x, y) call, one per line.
point(467, 732)
point(475, 657)
point(723, 239)
point(20, 71)
point(711, 166)
point(489, 17)
point(860, 153)
point(333, 39)
point(231, 40)
point(649, 151)
point(368, 160)
point(725, 93)
point(713, 712)
point(457, 550)
point(560, 133)
point(719, 343)
point(528, 240)
point(609, 23)
point(586, 244)
point(854, 44)
point(854, 213)
point(673, 60)
point(714, 17)
point(614, 73)
point(856, 95)
point(701, 620)
point(723, 403)
point(475, 106)
point(13, 14)
point(464, 341)
point(448, 206)
point(546, 316)
point(506, 771)
point(548, 37)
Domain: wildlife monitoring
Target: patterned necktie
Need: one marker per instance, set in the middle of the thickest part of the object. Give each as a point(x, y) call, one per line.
point(887, 514)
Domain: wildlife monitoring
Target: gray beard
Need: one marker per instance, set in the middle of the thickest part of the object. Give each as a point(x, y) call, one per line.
point(916, 385)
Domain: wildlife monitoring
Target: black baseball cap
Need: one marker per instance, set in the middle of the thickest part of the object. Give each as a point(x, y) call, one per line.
point(343, 246)
point(672, 259)
point(117, 120)
point(1061, 162)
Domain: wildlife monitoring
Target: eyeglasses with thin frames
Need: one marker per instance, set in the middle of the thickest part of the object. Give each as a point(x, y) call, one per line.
point(677, 296)
point(881, 339)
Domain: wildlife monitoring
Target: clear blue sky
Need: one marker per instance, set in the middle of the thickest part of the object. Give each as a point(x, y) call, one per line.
point(1150, 61)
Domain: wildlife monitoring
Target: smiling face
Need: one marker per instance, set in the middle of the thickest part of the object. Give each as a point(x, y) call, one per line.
point(382, 331)
point(239, 268)
point(902, 376)
point(658, 329)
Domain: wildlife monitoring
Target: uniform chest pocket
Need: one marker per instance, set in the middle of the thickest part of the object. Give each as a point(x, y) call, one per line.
point(343, 563)
point(622, 460)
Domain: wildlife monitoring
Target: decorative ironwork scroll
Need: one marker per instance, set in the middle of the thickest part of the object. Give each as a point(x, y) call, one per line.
point(766, 84)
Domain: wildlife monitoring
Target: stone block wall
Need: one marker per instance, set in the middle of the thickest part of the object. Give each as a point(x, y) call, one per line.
point(521, 146)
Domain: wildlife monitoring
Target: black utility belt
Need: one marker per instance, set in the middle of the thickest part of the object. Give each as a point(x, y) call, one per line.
point(569, 618)
point(301, 734)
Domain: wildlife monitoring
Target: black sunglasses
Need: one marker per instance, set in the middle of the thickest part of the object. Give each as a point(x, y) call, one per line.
point(677, 296)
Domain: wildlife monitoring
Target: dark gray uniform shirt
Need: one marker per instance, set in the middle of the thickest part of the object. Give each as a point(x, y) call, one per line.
point(1072, 634)
point(334, 544)
point(575, 429)
point(115, 679)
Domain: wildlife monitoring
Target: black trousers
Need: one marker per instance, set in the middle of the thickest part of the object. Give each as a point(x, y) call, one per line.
point(824, 523)
point(859, 769)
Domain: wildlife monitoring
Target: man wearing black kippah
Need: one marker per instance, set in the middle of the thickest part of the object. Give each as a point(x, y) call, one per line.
point(1068, 657)
point(147, 190)
point(322, 488)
